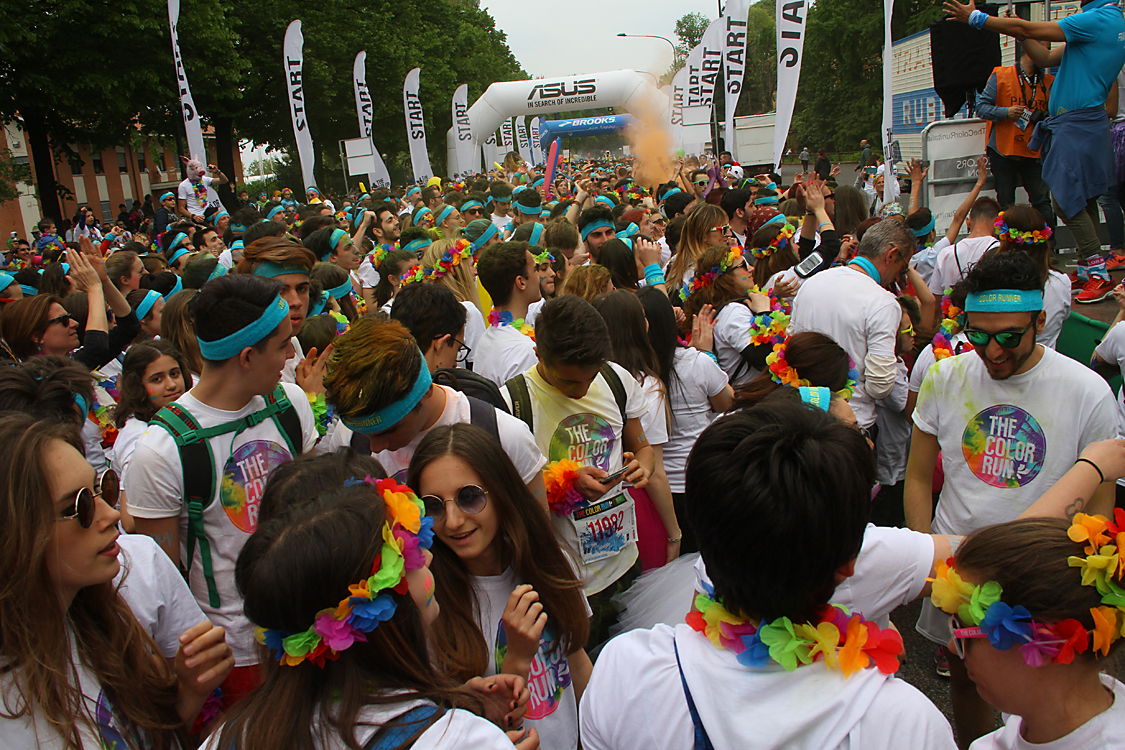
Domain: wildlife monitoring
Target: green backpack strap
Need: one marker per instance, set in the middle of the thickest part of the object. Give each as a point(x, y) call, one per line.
point(521, 400)
point(287, 420)
point(617, 388)
point(197, 466)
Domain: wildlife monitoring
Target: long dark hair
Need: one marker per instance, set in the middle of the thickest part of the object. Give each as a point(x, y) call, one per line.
point(662, 333)
point(527, 540)
point(295, 565)
point(625, 318)
point(816, 358)
point(619, 259)
point(394, 264)
point(133, 400)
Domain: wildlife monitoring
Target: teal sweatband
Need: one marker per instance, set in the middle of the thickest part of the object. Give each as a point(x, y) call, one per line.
point(339, 292)
point(412, 191)
point(817, 396)
point(238, 227)
point(220, 270)
point(390, 415)
point(29, 291)
point(629, 231)
point(529, 210)
point(593, 226)
point(767, 201)
point(443, 215)
point(179, 287)
point(1005, 300)
point(418, 245)
point(214, 220)
point(6, 281)
point(671, 192)
point(230, 346)
point(166, 196)
point(605, 201)
point(654, 275)
point(146, 304)
point(536, 233)
point(318, 307)
point(779, 219)
point(337, 235)
point(274, 212)
point(868, 266)
point(237, 245)
point(485, 236)
point(470, 205)
point(924, 231)
point(269, 269)
point(181, 252)
point(177, 240)
point(421, 212)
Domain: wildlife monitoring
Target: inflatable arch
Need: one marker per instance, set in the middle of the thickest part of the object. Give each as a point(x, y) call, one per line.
point(619, 88)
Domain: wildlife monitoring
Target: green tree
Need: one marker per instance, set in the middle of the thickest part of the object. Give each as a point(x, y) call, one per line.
point(689, 30)
point(759, 83)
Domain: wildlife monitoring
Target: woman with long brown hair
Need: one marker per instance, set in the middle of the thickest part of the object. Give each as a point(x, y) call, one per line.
point(809, 356)
point(177, 327)
point(80, 671)
point(705, 227)
point(510, 599)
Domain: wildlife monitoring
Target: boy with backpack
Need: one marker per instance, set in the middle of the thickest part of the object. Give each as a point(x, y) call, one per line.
point(198, 472)
point(585, 413)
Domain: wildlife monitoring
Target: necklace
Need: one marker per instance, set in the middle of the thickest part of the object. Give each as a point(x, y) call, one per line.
point(842, 640)
point(200, 191)
point(500, 319)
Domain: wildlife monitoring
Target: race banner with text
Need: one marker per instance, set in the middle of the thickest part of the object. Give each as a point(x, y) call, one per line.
point(536, 145)
point(416, 127)
point(293, 53)
point(380, 177)
point(465, 149)
point(734, 59)
point(196, 149)
point(791, 19)
point(522, 140)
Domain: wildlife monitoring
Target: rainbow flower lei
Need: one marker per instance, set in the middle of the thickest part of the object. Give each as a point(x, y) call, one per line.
point(943, 339)
point(558, 477)
point(406, 533)
point(783, 240)
point(838, 638)
point(200, 191)
point(781, 372)
point(451, 258)
point(379, 254)
point(544, 257)
point(414, 274)
point(498, 319)
point(701, 281)
point(1015, 236)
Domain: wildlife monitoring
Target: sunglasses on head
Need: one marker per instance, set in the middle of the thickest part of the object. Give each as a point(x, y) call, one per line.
point(470, 499)
point(82, 509)
point(1006, 339)
point(961, 634)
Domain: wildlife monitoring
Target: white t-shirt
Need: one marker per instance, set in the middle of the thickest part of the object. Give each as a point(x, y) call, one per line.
point(123, 446)
point(552, 709)
point(156, 592)
point(925, 258)
point(455, 730)
point(635, 700)
point(732, 335)
point(696, 379)
point(186, 193)
point(1112, 350)
point(862, 317)
point(226, 258)
point(103, 727)
point(501, 222)
point(474, 327)
point(1006, 442)
point(654, 422)
point(893, 441)
point(154, 486)
point(589, 432)
point(515, 439)
point(926, 360)
point(503, 352)
point(533, 311)
point(1103, 732)
point(954, 261)
point(289, 372)
point(1056, 303)
point(368, 276)
point(787, 275)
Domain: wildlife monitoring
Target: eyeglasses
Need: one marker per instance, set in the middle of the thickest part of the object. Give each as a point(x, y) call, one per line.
point(724, 229)
point(463, 350)
point(470, 499)
point(741, 264)
point(1006, 339)
point(64, 319)
point(107, 488)
point(908, 331)
point(702, 183)
point(961, 634)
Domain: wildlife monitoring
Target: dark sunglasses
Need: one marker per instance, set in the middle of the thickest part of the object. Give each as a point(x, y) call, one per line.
point(108, 488)
point(64, 319)
point(470, 499)
point(1006, 339)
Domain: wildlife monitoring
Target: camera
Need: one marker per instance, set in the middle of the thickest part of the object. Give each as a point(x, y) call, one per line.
point(1030, 118)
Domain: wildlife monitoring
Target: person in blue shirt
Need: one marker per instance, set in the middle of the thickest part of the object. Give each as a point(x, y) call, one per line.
point(1075, 138)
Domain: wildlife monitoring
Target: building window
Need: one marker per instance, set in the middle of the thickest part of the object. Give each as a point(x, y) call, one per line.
point(76, 167)
point(122, 161)
point(107, 215)
point(142, 163)
point(163, 166)
point(96, 158)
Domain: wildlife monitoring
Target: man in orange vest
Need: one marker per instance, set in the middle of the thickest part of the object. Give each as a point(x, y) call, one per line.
point(1012, 102)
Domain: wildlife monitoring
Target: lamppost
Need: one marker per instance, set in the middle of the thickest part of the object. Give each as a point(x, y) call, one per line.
point(651, 36)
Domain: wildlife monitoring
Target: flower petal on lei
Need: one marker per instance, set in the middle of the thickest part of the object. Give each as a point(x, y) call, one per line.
point(884, 647)
point(1105, 628)
point(852, 656)
point(1007, 626)
point(825, 638)
point(1088, 529)
point(1075, 637)
point(368, 613)
point(785, 647)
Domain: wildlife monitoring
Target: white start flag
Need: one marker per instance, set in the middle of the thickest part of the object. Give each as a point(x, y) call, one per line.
point(380, 177)
point(791, 18)
point(293, 54)
point(890, 182)
point(416, 127)
point(522, 139)
point(196, 149)
point(466, 150)
point(734, 59)
point(536, 146)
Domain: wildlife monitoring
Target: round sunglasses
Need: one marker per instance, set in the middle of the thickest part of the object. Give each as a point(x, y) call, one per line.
point(470, 499)
point(108, 488)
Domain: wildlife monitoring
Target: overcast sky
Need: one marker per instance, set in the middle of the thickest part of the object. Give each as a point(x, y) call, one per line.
point(585, 38)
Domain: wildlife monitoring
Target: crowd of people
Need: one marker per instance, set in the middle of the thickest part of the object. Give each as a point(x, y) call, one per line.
point(494, 462)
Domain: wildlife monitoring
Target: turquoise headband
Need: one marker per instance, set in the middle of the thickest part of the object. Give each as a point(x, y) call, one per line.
point(868, 266)
point(920, 233)
point(594, 225)
point(1005, 300)
point(470, 205)
point(274, 212)
point(528, 210)
point(318, 307)
point(485, 236)
point(237, 245)
point(6, 281)
point(769, 200)
point(166, 196)
point(230, 346)
point(177, 240)
point(519, 189)
point(181, 252)
point(671, 192)
point(390, 415)
point(218, 215)
point(339, 292)
point(418, 245)
point(177, 287)
point(269, 269)
point(220, 270)
point(238, 227)
point(443, 215)
point(412, 191)
point(337, 235)
point(606, 201)
point(779, 219)
point(29, 291)
point(146, 304)
point(817, 396)
point(536, 233)
point(629, 231)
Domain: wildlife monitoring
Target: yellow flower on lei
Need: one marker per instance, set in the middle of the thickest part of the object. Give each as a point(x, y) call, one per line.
point(825, 638)
point(404, 510)
point(949, 592)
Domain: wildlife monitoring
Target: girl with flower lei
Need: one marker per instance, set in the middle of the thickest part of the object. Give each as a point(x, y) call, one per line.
point(804, 359)
point(340, 590)
point(1013, 236)
point(510, 600)
point(1022, 228)
point(450, 263)
point(1036, 608)
point(747, 322)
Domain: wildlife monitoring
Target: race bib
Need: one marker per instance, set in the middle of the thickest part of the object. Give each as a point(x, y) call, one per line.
point(606, 527)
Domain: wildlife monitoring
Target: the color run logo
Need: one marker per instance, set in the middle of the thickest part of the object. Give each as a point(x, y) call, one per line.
point(1004, 446)
point(586, 439)
point(244, 479)
point(549, 676)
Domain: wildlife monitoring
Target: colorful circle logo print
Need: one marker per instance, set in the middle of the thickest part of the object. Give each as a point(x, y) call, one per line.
point(244, 479)
point(1004, 446)
point(585, 438)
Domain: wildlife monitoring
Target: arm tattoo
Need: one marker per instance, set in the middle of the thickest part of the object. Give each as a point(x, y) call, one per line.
point(1074, 508)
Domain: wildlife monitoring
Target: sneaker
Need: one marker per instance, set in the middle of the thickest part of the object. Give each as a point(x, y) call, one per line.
point(1096, 290)
point(1113, 261)
point(941, 663)
point(1076, 283)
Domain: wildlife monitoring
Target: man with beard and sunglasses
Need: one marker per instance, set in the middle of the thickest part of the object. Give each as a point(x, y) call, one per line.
point(1008, 423)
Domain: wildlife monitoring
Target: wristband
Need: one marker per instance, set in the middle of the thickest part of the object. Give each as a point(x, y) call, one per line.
point(1088, 461)
point(653, 274)
point(674, 539)
point(977, 19)
point(713, 357)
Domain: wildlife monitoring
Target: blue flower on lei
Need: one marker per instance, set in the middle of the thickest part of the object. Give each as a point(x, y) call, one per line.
point(1007, 626)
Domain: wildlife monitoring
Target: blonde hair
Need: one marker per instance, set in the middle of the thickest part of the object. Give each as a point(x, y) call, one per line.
point(693, 241)
point(462, 280)
point(588, 282)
